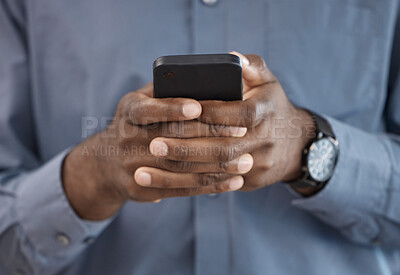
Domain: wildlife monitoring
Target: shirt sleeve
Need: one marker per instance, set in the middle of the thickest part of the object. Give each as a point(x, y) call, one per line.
point(39, 231)
point(362, 199)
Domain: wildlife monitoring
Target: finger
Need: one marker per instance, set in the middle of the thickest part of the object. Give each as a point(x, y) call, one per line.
point(266, 172)
point(155, 194)
point(215, 182)
point(248, 113)
point(241, 165)
point(201, 149)
point(255, 71)
point(191, 129)
point(233, 184)
point(179, 129)
point(141, 109)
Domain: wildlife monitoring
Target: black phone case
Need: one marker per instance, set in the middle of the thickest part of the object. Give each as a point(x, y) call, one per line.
point(201, 77)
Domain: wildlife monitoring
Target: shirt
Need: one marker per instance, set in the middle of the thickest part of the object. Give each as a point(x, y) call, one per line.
point(65, 64)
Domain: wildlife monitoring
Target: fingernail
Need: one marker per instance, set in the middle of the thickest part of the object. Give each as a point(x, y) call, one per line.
point(242, 57)
point(191, 110)
point(143, 178)
point(157, 201)
point(235, 183)
point(245, 60)
point(237, 131)
point(245, 163)
point(158, 148)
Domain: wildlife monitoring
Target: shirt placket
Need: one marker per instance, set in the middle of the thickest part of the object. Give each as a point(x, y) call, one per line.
point(212, 234)
point(211, 212)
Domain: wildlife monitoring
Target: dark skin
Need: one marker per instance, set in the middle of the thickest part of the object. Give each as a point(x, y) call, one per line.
point(166, 148)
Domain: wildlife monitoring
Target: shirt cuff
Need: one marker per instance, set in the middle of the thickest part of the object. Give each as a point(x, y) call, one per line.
point(357, 190)
point(47, 218)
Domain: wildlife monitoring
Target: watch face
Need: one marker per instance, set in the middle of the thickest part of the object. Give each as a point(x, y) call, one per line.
point(321, 159)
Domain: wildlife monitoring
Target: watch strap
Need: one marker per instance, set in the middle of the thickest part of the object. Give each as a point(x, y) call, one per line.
point(321, 126)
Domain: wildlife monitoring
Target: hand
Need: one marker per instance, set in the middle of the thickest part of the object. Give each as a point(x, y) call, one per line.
point(277, 131)
point(99, 174)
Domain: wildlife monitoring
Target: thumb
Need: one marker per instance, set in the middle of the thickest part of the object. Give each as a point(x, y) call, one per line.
point(255, 71)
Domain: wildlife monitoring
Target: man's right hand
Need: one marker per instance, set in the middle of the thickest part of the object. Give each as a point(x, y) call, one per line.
point(101, 174)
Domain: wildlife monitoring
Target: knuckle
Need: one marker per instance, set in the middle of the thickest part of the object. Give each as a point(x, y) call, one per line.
point(185, 166)
point(182, 166)
point(205, 180)
point(127, 106)
point(268, 164)
point(257, 58)
point(251, 113)
point(173, 165)
point(176, 129)
point(219, 188)
point(163, 163)
point(172, 128)
point(216, 130)
point(257, 61)
point(264, 72)
point(208, 179)
point(223, 166)
point(229, 152)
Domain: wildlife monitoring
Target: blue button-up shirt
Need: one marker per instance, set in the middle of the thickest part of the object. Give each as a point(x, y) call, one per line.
point(64, 63)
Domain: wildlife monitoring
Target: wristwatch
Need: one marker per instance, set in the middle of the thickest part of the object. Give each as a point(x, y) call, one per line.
point(319, 156)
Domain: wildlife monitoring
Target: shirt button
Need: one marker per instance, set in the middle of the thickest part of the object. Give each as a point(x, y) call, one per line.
point(210, 2)
point(62, 239)
point(88, 240)
point(376, 241)
point(213, 195)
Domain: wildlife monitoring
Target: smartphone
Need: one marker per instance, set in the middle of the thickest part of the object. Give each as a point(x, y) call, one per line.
point(201, 77)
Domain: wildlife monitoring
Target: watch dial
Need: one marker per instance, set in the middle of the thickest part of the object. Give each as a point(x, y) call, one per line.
point(321, 159)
